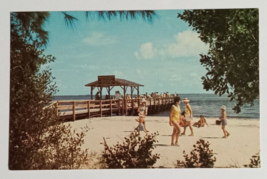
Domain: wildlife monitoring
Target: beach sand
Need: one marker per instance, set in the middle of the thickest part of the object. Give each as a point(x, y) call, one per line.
point(236, 150)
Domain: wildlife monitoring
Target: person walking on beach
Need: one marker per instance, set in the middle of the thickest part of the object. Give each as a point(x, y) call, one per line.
point(188, 116)
point(142, 112)
point(174, 120)
point(223, 119)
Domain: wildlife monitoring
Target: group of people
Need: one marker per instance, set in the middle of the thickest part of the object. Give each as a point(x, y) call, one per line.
point(178, 118)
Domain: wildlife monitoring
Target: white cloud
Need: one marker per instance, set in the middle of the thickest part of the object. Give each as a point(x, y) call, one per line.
point(146, 51)
point(98, 38)
point(118, 74)
point(187, 44)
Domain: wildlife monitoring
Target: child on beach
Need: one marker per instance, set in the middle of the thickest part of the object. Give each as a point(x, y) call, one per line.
point(188, 116)
point(142, 111)
point(141, 126)
point(201, 123)
point(223, 119)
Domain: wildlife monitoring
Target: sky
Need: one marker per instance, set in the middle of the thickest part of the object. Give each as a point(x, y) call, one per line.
point(162, 55)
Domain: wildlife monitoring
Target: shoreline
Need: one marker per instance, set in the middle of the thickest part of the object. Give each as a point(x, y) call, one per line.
point(236, 150)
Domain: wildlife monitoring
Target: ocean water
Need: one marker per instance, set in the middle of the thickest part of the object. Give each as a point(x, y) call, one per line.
point(205, 104)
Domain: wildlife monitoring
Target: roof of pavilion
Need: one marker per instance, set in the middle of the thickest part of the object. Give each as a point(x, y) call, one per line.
point(117, 82)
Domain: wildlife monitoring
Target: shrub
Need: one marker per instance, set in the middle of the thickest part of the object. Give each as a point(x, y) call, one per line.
point(134, 152)
point(201, 157)
point(255, 161)
point(62, 149)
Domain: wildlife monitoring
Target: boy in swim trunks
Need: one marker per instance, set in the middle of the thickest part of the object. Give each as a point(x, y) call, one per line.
point(223, 118)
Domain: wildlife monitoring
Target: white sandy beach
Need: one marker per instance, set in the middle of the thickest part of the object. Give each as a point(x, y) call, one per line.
point(237, 149)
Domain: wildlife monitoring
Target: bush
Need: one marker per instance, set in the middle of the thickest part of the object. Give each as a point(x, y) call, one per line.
point(63, 149)
point(255, 161)
point(134, 152)
point(201, 157)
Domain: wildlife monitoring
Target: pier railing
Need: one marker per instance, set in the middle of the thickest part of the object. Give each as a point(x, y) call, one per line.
point(72, 109)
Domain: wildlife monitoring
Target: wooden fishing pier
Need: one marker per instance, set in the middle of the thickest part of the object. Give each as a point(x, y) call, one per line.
point(81, 109)
point(120, 105)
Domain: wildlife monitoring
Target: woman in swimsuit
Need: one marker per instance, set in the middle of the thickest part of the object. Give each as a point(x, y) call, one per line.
point(174, 120)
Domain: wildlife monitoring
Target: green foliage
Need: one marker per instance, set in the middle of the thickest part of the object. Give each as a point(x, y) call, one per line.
point(37, 138)
point(134, 152)
point(62, 149)
point(233, 58)
point(200, 157)
point(255, 161)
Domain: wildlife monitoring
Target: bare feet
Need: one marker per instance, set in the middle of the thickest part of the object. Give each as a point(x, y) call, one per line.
point(228, 134)
point(191, 135)
point(224, 137)
point(182, 134)
point(175, 145)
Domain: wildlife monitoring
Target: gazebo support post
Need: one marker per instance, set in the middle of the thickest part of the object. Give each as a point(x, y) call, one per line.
point(92, 88)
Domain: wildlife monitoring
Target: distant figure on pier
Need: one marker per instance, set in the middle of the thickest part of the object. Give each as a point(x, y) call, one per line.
point(117, 95)
point(97, 96)
point(106, 97)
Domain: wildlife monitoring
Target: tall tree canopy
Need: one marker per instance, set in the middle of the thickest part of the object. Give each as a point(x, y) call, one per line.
point(233, 58)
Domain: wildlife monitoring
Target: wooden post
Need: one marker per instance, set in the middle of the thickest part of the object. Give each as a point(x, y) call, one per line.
point(109, 92)
point(150, 105)
point(73, 111)
point(132, 92)
point(100, 93)
point(132, 104)
point(119, 106)
point(110, 102)
point(88, 107)
point(100, 107)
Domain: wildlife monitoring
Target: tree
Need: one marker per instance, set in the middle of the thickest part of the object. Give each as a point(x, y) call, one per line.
point(233, 58)
point(37, 138)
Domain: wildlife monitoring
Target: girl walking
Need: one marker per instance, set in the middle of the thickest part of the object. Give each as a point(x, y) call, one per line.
point(188, 116)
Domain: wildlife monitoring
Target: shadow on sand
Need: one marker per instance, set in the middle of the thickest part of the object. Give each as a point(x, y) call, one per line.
point(162, 145)
point(212, 137)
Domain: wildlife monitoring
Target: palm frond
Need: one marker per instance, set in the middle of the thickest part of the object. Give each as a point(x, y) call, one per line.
point(69, 20)
point(103, 15)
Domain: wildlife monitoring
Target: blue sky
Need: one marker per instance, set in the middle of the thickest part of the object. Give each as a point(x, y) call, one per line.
point(162, 55)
